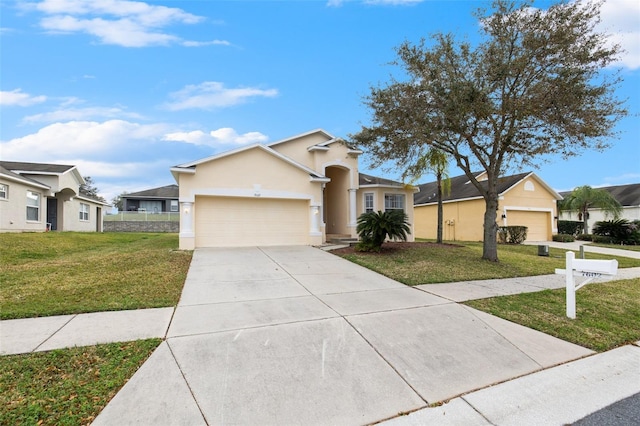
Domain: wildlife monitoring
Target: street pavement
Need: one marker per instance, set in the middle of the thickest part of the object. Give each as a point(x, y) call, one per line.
point(296, 335)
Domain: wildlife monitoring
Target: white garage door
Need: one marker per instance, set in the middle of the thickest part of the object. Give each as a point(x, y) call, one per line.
point(234, 221)
point(539, 223)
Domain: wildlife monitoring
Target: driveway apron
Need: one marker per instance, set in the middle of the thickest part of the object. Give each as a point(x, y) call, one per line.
point(296, 335)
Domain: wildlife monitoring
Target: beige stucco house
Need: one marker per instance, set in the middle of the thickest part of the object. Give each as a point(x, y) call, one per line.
point(36, 197)
point(302, 190)
point(524, 200)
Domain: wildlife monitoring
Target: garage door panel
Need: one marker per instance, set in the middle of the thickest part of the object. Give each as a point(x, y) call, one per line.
point(539, 223)
point(229, 221)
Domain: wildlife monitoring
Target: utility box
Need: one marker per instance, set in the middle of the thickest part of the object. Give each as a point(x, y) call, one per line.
point(543, 251)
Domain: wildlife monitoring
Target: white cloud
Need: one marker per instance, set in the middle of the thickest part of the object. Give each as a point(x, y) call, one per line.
point(75, 114)
point(18, 98)
point(119, 22)
point(79, 139)
point(216, 138)
point(206, 43)
point(212, 94)
point(621, 19)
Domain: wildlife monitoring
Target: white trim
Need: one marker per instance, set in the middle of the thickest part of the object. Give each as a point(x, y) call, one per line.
point(255, 192)
point(25, 181)
point(311, 132)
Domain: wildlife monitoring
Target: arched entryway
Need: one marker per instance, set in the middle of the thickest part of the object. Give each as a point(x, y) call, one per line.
point(336, 201)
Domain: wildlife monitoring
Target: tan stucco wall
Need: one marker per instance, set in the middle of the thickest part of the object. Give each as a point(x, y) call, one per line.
point(13, 211)
point(297, 148)
point(247, 173)
point(252, 173)
point(378, 203)
point(463, 220)
point(71, 216)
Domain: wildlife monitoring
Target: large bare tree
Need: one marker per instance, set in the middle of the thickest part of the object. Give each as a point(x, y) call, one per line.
point(538, 83)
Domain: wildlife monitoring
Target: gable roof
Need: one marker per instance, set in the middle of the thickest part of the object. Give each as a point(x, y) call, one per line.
point(329, 137)
point(463, 189)
point(168, 191)
point(627, 195)
point(191, 167)
point(23, 168)
point(9, 175)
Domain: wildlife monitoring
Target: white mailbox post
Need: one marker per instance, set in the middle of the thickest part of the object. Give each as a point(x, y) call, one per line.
point(587, 268)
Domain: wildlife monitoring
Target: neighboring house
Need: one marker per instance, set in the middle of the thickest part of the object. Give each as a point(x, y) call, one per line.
point(299, 191)
point(156, 200)
point(524, 200)
point(37, 197)
point(627, 195)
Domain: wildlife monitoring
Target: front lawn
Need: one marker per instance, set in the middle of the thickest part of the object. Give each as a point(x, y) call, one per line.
point(427, 263)
point(57, 273)
point(607, 314)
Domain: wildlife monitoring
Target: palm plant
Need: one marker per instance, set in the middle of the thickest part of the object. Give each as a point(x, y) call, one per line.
point(436, 161)
point(374, 228)
point(585, 197)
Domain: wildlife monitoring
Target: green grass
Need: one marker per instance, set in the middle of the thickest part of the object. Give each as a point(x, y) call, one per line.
point(607, 314)
point(615, 246)
point(67, 386)
point(57, 273)
point(426, 263)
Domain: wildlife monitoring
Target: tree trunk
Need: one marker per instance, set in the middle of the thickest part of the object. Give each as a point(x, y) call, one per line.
point(585, 225)
point(490, 244)
point(440, 214)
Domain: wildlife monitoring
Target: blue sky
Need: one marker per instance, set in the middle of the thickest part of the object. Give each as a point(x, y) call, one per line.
point(125, 90)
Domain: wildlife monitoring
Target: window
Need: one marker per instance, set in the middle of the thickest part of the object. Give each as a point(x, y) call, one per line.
point(174, 205)
point(4, 191)
point(33, 206)
point(84, 211)
point(368, 202)
point(394, 202)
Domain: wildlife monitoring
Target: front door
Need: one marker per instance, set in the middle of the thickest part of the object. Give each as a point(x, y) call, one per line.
point(52, 213)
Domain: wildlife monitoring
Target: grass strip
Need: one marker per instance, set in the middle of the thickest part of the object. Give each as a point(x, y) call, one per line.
point(427, 263)
point(66, 386)
point(607, 313)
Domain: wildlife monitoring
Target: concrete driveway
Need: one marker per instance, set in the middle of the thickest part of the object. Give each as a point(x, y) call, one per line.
point(296, 335)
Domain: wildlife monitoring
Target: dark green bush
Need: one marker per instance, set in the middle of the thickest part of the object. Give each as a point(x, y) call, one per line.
point(584, 237)
point(512, 234)
point(564, 238)
point(374, 227)
point(619, 231)
point(570, 227)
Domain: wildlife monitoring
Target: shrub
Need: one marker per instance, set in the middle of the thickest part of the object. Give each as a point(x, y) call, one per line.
point(564, 238)
point(619, 231)
point(374, 227)
point(512, 234)
point(570, 227)
point(584, 237)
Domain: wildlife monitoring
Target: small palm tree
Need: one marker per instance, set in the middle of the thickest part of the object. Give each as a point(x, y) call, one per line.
point(374, 228)
point(436, 161)
point(585, 197)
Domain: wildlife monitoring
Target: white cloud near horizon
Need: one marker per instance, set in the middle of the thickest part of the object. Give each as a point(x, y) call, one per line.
point(17, 97)
point(118, 22)
point(80, 114)
point(85, 139)
point(216, 138)
point(213, 94)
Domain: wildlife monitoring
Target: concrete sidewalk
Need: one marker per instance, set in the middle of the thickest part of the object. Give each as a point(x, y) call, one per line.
point(295, 335)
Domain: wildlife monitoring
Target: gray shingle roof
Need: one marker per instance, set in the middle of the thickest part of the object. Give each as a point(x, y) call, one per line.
point(365, 180)
point(35, 167)
point(169, 191)
point(462, 188)
point(627, 195)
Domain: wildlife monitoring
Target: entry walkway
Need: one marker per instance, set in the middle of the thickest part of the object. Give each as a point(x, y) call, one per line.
point(295, 335)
